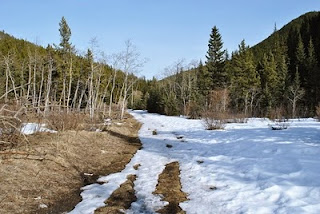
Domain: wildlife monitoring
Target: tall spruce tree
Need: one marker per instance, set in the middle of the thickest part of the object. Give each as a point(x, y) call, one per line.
point(215, 60)
point(301, 60)
point(244, 80)
point(312, 77)
point(65, 35)
point(269, 82)
point(66, 65)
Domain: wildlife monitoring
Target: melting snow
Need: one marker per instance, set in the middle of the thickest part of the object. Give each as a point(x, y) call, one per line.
point(254, 169)
point(31, 128)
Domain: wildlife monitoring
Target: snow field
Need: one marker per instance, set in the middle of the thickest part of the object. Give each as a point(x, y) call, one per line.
point(246, 168)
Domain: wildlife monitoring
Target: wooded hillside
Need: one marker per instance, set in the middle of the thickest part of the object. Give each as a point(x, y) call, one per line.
point(279, 77)
point(59, 78)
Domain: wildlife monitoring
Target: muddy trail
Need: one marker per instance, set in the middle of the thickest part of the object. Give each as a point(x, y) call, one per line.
point(168, 187)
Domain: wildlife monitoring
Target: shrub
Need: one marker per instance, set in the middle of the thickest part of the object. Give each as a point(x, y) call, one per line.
point(278, 113)
point(318, 111)
point(62, 121)
point(10, 126)
point(213, 120)
point(236, 118)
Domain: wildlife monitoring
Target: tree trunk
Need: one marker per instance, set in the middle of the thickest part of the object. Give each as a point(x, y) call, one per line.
point(40, 90)
point(48, 88)
point(70, 84)
point(112, 89)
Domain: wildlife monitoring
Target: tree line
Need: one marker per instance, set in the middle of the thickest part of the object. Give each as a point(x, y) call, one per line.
point(279, 77)
point(58, 78)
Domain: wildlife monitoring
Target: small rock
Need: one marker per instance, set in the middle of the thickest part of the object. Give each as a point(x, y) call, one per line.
point(136, 166)
point(213, 188)
point(169, 145)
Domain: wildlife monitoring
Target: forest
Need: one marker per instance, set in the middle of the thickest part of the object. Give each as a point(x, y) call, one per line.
point(276, 78)
point(59, 79)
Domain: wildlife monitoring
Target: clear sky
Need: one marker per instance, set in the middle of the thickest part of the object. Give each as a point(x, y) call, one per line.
point(164, 31)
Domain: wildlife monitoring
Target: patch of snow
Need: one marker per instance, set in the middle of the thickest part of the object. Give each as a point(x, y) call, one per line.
point(245, 168)
point(31, 128)
point(42, 206)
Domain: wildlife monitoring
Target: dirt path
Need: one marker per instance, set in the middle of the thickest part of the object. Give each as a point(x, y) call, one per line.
point(169, 187)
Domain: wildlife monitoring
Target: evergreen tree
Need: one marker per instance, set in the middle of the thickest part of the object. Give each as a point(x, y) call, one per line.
point(66, 65)
point(203, 80)
point(301, 59)
point(65, 35)
point(244, 80)
point(312, 78)
point(216, 61)
point(269, 82)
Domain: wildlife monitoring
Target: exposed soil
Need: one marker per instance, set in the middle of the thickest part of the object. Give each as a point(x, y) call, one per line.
point(121, 198)
point(46, 176)
point(169, 186)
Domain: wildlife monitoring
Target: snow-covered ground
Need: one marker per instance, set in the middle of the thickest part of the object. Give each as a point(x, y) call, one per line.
point(254, 169)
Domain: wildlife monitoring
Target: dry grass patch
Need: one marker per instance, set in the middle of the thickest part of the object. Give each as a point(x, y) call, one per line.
point(52, 169)
point(121, 198)
point(169, 186)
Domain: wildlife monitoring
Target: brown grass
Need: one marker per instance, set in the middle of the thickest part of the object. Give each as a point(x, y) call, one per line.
point(65, 121)
point(51, 170)
point(121, 198)
point(169, 186)
point(10, 125)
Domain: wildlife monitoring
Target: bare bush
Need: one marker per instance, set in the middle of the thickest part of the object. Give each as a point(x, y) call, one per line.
point(236, 118)
point(218, 100)
point(10, 126)
point(62, 121)
point(278, 113)
point(213, 120)
point(318, 111)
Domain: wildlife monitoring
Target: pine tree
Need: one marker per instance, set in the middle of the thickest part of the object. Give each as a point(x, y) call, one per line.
point(203, 80)
point(244, 80)
point(269, 82)
point(301, 59)
point(66, 65)
point(65, 34)
point(312, 78)
point(216, 61)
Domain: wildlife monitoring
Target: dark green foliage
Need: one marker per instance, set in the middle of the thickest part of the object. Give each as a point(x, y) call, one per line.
point(245, 81)
point(154, 101)
point(216, 61)
point(278, 77)
point(65, 34)
point(203, 80)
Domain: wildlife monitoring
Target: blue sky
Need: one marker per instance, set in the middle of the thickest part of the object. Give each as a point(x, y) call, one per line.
point(164, 31)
